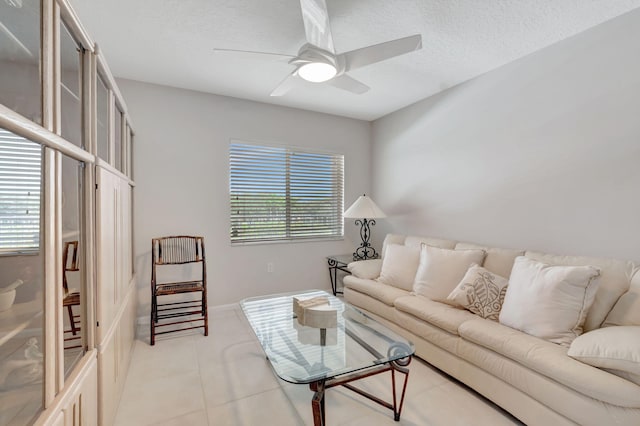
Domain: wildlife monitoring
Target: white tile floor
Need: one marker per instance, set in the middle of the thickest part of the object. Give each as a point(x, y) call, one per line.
point(224, 379)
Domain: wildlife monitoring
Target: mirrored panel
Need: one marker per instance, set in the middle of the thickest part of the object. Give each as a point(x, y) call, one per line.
point(72, 262)
point(70, 87)
point(103, 119)
point(21, 280)
point(20, 87)
point(117, 140)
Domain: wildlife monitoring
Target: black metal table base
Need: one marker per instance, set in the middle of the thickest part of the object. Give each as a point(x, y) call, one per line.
point(334, 267)
point(319, 388)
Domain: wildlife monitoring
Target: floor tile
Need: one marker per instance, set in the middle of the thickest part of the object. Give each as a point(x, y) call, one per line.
point(159, 398)
point(267, 408)
point(197, 418)
point(224, 383)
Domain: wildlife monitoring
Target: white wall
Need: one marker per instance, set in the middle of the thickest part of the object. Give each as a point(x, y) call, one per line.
point(181, 172)
point(543, 153)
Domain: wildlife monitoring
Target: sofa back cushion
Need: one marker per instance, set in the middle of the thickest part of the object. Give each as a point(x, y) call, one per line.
point(441, 270)
point(498, 260)
point(399, 266)
point(627, 310)
point(615, 277)
point(433, 242)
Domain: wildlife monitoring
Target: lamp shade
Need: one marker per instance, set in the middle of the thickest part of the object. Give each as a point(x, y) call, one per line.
point(364, 208)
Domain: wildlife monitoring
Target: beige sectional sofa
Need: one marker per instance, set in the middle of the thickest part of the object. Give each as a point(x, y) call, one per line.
point(534, 379)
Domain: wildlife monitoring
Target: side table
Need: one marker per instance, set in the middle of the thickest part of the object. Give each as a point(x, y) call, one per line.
point(338, 263)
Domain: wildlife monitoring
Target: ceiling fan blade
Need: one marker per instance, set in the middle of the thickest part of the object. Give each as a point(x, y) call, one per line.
point(316, 24)
point(349, 84)
point(285, 85)
point(379, 52)
point(253, 54)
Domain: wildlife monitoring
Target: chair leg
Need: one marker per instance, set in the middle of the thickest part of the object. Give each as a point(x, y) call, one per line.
point(72, 323)
point(206, 313)
point(153, 319)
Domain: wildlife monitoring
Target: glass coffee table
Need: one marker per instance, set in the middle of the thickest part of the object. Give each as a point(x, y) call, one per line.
point(356, 347)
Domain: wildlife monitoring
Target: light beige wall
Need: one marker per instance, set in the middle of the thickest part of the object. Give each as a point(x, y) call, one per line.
point(542, 153)
point(182, 186)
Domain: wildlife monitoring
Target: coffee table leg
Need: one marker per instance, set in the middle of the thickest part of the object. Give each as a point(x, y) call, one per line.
point(400, 367)
point(317, 402)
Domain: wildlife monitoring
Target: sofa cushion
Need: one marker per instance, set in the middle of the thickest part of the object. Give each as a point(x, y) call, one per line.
point(425, 330)
point(399, 266)
point(615, 348)
point(367, 269)
point(441, 270)
point(615, 276)
point(442, 315)
point(433, 242)
point(498, 260)
point(549, 301)
point(382, 292)
point(627, 310)
point(551, 360)
point(481, 292)
point(368, 303)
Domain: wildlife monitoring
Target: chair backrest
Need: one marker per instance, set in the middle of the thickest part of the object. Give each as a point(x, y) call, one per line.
point(177, 250)
point(69, 262)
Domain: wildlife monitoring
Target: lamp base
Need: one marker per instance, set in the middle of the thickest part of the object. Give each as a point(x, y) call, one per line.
point(365, 251)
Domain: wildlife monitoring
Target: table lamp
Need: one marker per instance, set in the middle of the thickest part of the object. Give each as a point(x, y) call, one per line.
point(365, 211)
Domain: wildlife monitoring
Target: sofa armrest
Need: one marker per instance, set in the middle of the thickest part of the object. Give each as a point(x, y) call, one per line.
point(367, 269)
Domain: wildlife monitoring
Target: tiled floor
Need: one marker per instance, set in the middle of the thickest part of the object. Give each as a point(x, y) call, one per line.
point(224, 379)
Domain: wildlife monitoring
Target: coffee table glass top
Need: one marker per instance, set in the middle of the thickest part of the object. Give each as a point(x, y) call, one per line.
point(296, 352)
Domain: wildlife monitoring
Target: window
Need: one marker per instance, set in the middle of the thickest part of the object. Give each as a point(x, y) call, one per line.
point(281, 194)
point(19, 193)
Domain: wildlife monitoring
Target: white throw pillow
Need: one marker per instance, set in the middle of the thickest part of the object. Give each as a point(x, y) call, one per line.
point(616, 349)
point(399, 266)
point(481, 292)
point(626, 311)
point(441, 270)
point(368, 269)
point(547, 301)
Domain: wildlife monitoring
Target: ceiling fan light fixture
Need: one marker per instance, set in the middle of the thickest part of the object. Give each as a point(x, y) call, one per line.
point(317, 72)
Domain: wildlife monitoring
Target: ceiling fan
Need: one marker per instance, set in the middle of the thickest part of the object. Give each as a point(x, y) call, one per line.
point(317, 60)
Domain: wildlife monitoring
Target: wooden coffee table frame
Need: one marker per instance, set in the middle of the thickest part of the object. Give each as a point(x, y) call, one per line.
point(399, 366)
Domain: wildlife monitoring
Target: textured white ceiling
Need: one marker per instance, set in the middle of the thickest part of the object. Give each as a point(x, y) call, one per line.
point(171, 42)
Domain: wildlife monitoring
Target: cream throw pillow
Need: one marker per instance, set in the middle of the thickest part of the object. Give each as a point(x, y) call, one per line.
point(616, 349)
point(399, 266)
point(550, 302)
point(480, 292)
point(441, 270)
point(368, 269)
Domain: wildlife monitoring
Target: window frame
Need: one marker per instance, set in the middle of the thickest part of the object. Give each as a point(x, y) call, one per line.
point(290, 150)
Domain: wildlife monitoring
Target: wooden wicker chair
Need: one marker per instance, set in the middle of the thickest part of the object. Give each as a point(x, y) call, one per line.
point(178, 250)
point(70, 264)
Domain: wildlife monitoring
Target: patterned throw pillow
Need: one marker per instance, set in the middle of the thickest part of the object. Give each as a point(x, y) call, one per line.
point(481, 292)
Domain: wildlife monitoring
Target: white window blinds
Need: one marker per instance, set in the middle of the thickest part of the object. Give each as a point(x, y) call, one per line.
point(20, 165)
point(284, 193)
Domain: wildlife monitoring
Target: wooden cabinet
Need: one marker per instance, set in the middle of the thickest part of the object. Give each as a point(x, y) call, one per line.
point(63, 115)
point(116, 305)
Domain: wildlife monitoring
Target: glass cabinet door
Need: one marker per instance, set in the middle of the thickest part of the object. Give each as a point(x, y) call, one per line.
point(102, 125)
point(21, 280)
point(72, 262)
point(117, 140)
point(20, 87)
point(70, 87)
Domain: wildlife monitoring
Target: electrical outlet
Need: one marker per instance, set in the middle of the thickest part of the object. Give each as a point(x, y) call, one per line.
point(270, 267)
